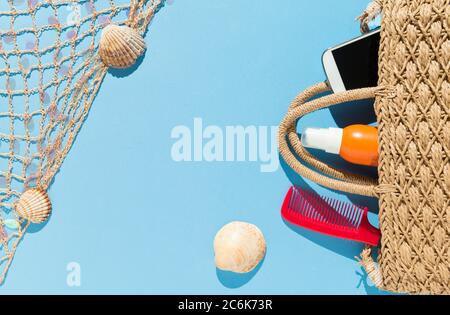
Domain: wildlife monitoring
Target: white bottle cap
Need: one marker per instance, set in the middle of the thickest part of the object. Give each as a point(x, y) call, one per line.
point(328, 140)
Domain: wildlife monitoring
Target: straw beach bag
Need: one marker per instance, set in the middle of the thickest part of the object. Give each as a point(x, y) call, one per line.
point(412, 104)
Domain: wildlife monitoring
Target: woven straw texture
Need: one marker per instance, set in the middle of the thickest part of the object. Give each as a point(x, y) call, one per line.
point(50, 73)
point(413, 107)
point(414, 135)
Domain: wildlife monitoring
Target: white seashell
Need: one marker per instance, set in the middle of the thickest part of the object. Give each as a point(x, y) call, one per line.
point(239, 247)
point(34, 205)
point(120, 46)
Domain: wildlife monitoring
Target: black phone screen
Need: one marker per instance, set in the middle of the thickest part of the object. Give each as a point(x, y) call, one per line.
point(357, 62)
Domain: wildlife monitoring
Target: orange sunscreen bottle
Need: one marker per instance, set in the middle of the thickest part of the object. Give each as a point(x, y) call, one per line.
point(356, 144)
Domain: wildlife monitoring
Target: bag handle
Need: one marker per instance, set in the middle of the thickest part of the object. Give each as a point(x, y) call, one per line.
point(328, 176)
point(370, 13)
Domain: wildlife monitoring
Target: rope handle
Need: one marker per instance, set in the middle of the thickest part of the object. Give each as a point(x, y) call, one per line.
point(372, 11)
point(371, 267)
point(320, 172)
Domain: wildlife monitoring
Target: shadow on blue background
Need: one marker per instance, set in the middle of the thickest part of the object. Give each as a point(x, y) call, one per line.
point(123, 73)
point(341, 247)
point(34, 228)
point(369, 287)
point(357, 112)
point(234, 280)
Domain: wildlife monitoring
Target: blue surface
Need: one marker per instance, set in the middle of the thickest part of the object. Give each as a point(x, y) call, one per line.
point(135, 220)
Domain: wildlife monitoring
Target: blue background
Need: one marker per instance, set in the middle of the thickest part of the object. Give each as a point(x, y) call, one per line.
point(138, 222)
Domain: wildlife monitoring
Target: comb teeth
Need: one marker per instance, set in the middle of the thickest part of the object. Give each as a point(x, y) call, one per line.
point(310, 206)
point(329, 216)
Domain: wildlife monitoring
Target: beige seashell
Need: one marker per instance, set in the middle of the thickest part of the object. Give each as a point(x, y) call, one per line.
point(34, 205)
point(120, 46)
point(239, 247)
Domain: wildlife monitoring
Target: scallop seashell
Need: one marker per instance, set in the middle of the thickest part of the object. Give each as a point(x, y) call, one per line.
point(34, 205)
point(120, 46)
point(239, 247)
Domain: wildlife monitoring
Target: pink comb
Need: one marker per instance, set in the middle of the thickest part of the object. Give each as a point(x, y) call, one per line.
point(329, 216)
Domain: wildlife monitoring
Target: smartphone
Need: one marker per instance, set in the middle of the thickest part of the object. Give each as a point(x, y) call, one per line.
point(353, 64)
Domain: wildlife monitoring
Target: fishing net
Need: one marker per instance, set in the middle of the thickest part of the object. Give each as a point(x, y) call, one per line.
point(50, 72)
